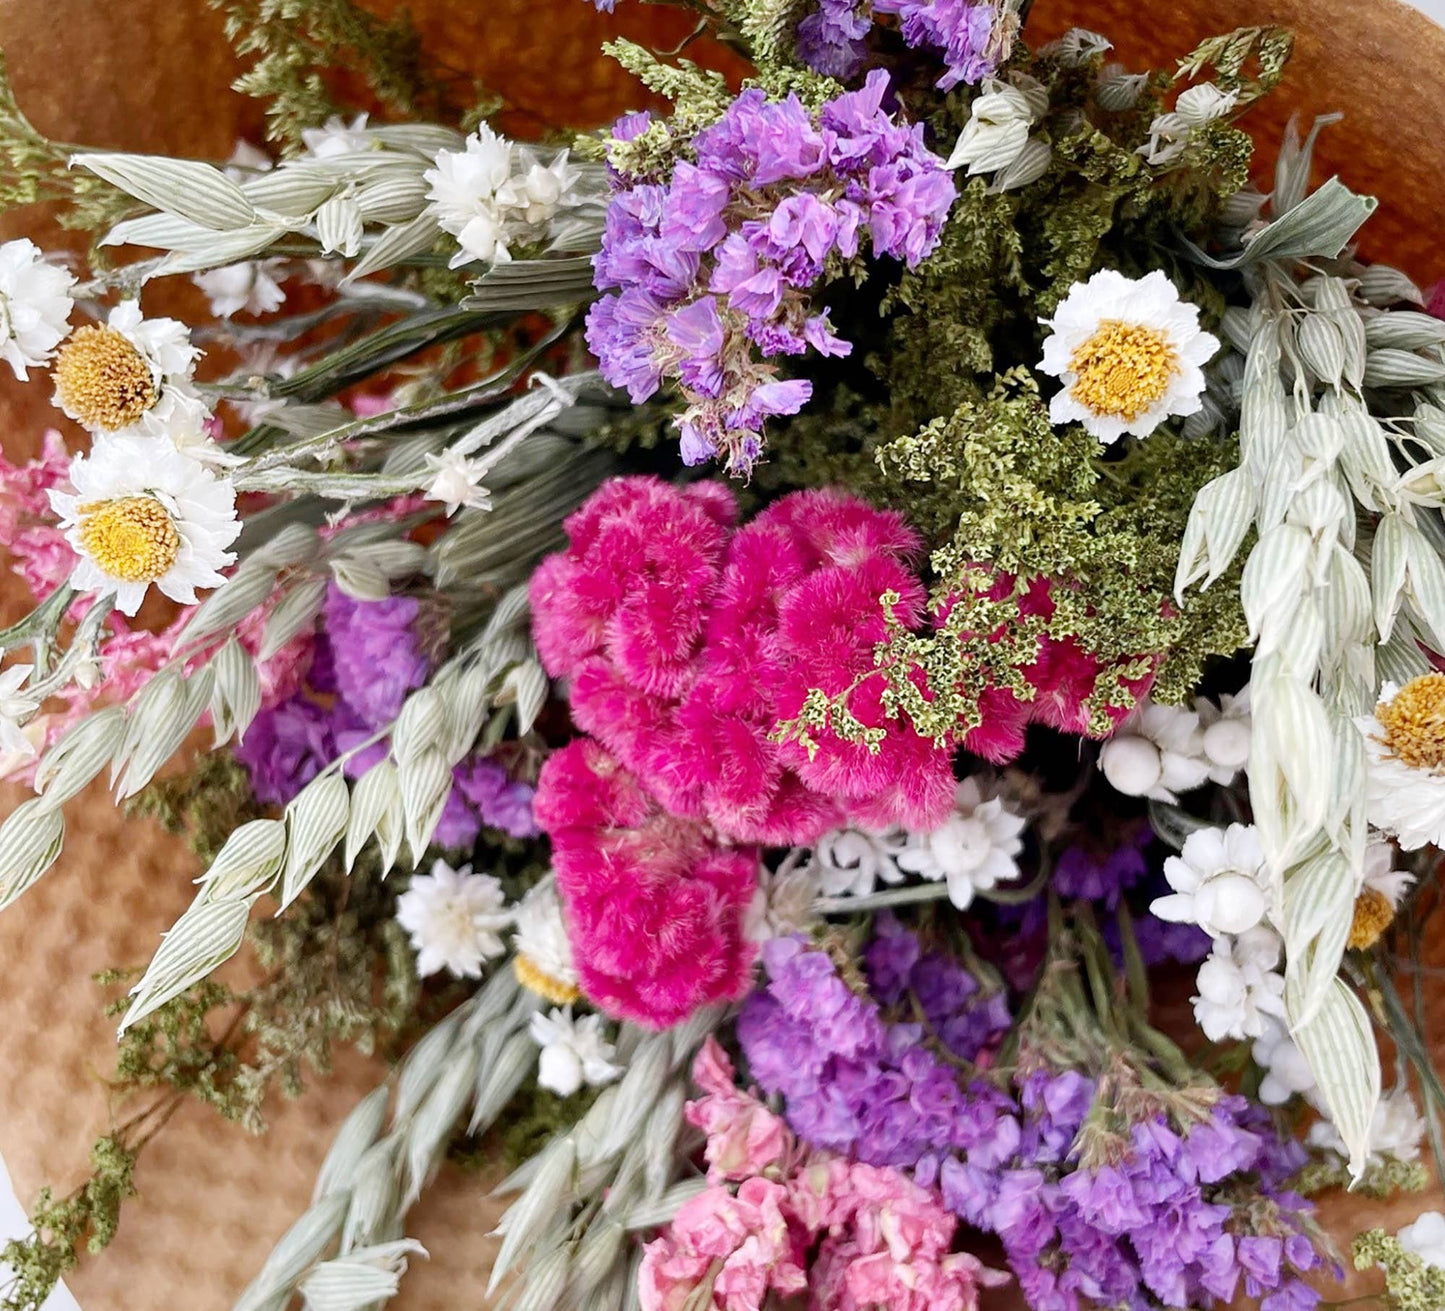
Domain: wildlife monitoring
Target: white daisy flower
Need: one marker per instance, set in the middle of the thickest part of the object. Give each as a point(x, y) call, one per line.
point(251, 286)
point(494, 194)
point(455, 919)
point(1426, 1238)
point(1218, 882)
point(130, 376)
point(975, 849)
point(1287, 1073)
point(35, 306)
point(1157, 752)
point(851, 862)
point(1226, 732)
point(574, 1052)
point(14, 708)
point(543, 960)
point(1239, 985)
point(336, 137)
point(142, 512)
point(457, 482)
point(1130, 354)
point(1395, 1132)
point(1382, 888)
point(1405, 761)
point(1169, 133)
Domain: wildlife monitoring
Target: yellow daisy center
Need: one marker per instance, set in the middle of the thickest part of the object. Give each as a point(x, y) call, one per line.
point(1123, 369)
point(1373, 915)
point(532, 977)
point(1414, 722)
point(102, 379)
point(133, 538)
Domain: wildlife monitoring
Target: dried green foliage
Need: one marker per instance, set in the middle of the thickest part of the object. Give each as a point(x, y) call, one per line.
point(1250, 60)
point(1411, 1284)
point(292, 45)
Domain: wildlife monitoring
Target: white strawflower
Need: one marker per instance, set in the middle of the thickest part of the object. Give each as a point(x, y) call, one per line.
point(455, 919)
point(1287, 1073)
point(574, 1052)
point(1396, 1131)
point(1157, 752)
point(1426, 1238)
point(35, 306)
point(336, 137)
point(543, 960)
point(974, 849)
point(14, 707)
point(1405, 761)
point(456, 482)
point(1169, 133)
point(851, 862)
point(1382, 888)
point(1239, 985)
point(783, 902)
point(1218, 882)
point(250, 286)
point(1130, 354)
point(494, 193)
point(1226, 731)
point(130, 376)
point(143, 512)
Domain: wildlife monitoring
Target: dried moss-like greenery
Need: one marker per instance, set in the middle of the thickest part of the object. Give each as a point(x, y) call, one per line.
point(1411, 1284)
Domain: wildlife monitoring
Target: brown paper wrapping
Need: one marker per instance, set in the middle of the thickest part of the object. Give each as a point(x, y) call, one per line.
point(149, 75)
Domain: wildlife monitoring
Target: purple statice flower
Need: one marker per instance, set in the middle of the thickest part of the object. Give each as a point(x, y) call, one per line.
point(974, 36)
point(831, 38)
point(711, 275)
point(499, 801)
point(376, 652)
point(1086, 872)
point(287, 746)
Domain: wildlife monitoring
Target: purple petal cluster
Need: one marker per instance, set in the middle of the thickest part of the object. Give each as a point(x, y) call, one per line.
point(712, 275)
point(376, 653)
point(974, 36)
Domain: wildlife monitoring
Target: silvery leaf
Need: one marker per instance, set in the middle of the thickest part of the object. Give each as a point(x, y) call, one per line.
point(359, 578)
point(529, 687)
point(659, 1137)
point(1029, 165)
point(597, 1254)
point(420, 726)
point(236, 696)
point(432, 1126)
point(1338, 1044)
point(375, 1207)
point(224, 248)
point(499, 1080)
point(179, 186)
point(360, 1279)
point(79, 756)
point(525, 1220)
point(162, 231)
point(230, 603)
point(397, 244)
point(1322, 348)
point(294, 614)
point(358, 1133)
point(1425, 585)
point(1406, 330)
point(423, 139)
point(209, 933)
point(158, 728)
point(544, 1282)
point(1274, 574)
point(1319, 901)
point(300, 1247)
point(1319, 225)
point(392, 200)
point(339, 226)
point(533, 284)
point(375, 799)
point(1389, 563)
point(248, 864)
point(661, 1211)
point(426, 783)
point(295, 190)
point(315, 824)
point(294, 544)
point(424, 1064)
point(30, 840)
point(638, 1092)
point(1381, 285)
point(1397, 368)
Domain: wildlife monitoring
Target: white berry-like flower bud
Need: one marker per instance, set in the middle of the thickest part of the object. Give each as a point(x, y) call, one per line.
point(1229, 903)
point(1226, 743)
point(1131, 764)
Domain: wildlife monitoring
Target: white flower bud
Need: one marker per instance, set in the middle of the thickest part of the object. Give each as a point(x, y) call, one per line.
point(1226, 743)
point(1131, 764)
point(1229, 903)
point(559, 1069)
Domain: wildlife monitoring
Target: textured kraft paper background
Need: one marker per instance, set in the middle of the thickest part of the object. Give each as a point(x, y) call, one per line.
point(150, 75)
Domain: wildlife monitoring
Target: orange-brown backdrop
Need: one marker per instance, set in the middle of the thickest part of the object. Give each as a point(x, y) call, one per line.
point(151, 75)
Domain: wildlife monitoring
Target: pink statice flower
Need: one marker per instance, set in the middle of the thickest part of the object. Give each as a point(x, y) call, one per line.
point(38, 550)
point(744, 1138)
point(656, 906)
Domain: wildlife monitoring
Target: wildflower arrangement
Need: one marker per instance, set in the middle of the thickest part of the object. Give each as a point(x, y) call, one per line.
point(736, 650)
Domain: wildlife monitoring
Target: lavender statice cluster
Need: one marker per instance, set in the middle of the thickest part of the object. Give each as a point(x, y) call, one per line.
point(713, 274)
point(972, 36)
point(368, 656)
point(1101, 1194)
point(853, 1082)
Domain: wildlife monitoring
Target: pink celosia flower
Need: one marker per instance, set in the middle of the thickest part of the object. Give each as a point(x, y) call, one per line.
point(741, 1248)
point(656, 909)
point(744, 1138)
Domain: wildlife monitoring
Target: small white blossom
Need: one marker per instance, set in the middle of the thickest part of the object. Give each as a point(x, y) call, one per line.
point(1380, 875)
point(1405, 763)
point(1239, 985)
point(974, 849)
point(1395, 1132)
point(250, 286)
point(1130, 354)
point(494, 194)
point(851, 862)
point(246, 161)
point(455, 919)
point(783, 903)
point(1426, 1238)
point(574, 1052)
point(1226, 730)
point(336, 137)
point(1169, 133)
point(1287, 1073)
point(541, 941)
point(1218, 882)
point(456, 482)
point(35, 306)
point(14, 708)
point(1157, 752)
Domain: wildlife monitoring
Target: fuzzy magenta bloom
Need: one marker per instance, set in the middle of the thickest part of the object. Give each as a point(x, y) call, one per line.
point(655, 906)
